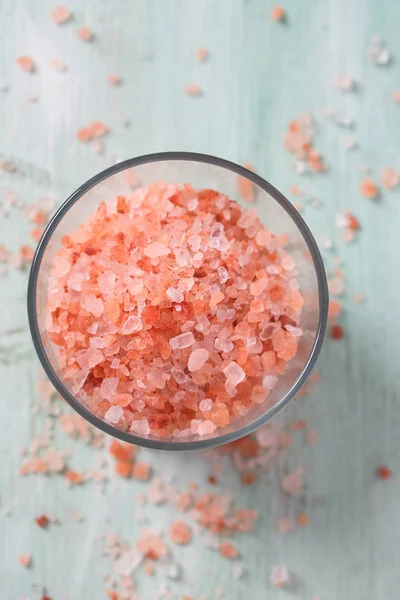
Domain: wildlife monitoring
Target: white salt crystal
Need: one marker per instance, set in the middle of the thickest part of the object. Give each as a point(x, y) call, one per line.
point(114, 414)
point(182, 341)
point(234, 374)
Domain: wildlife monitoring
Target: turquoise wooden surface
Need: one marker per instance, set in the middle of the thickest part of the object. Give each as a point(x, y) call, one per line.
point(259, 75)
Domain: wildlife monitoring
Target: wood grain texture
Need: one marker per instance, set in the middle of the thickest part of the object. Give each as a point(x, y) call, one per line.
point(258, 77)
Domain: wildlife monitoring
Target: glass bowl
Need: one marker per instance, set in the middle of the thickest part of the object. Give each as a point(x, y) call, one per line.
point(201, 171)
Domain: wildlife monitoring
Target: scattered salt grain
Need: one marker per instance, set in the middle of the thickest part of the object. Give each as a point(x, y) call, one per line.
point(292, 483)
point(279, 576)
point(378, 53)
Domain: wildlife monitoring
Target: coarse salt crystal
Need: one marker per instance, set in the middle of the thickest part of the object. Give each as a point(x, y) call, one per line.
point(155, 250)
point(93, 305)
point(269, 382)
point(108, 387)
point(205, 404)
point(206, 428)
point(223, 274)
point(140, 427)
point(182, 341)
point(197, 359)
point(133, 323)
point(223, 345)
point(175, 294)
point(292, 483)
point(106, 282)
point(114, 414)
point(279, 575)
point(234, 374)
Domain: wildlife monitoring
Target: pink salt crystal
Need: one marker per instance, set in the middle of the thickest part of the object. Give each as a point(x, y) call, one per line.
point(62, 265)
point(25, 560)
point(106, 282)
point(263, 237)
point(292, 483)
point(312, 437)
point(108, 387)
point(155, 249)
point(223, 274)
point(113, 414)
point(97, 342)
point(288, 263)
point(140, 427)
point(217, 237)
point(294, 331)
point(132, 323)
point(279, 576)
point(123, 399)
point(197, 359)
point(234, 374)
point(285, 525)
point(269, 382)
point(206, 428)
point(90, 358)
point(223, 345)
point(182, 341)
point(175, 294)
point(258, 286)
point(205, 405)
point(93, 305)
point(76, 280)
point(135, 287)
point(216, 298)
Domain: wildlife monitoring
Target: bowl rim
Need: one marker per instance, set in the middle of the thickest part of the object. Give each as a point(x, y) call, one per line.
point(323, 300)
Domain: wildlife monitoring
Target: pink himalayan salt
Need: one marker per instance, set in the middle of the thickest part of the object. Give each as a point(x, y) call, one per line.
point(133, 323)
point(197, 359)
point(292, 483)
point(172, 305)
point(205, 404)
point(182, 341)
point(155, 249)
point(279, 576)
point(114, 414)
point(234, 374)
